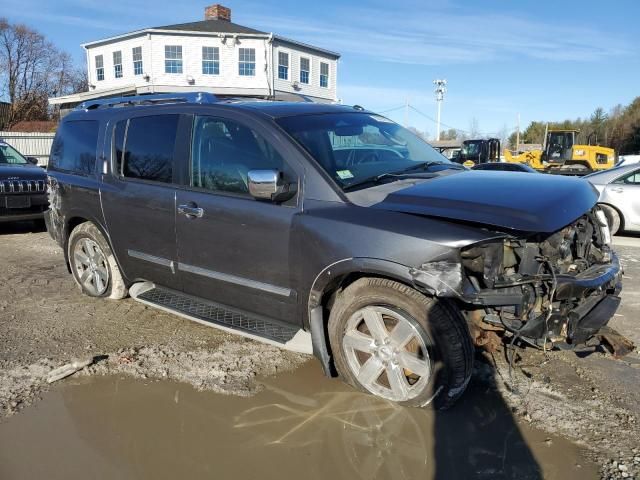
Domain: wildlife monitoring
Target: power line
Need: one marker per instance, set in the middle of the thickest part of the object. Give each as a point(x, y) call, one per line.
point(428, 117)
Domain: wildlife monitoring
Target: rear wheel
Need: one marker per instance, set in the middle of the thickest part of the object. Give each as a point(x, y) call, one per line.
point(390, 340)
point(93, 265)
point(613, 218)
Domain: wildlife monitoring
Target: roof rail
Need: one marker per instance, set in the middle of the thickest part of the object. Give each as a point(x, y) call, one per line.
point(151, 99)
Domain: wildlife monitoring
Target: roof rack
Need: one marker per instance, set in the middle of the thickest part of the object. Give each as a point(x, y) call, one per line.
point(152, 99)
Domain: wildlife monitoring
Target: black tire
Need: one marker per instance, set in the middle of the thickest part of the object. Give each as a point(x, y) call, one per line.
point(115, 286)
point(613, 218)
point(438, 322)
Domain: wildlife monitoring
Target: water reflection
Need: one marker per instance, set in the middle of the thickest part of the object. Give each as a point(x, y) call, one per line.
point(375, 438)
point(301, 426)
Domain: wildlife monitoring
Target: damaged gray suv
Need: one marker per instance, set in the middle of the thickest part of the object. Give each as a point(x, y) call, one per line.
point(327, 229)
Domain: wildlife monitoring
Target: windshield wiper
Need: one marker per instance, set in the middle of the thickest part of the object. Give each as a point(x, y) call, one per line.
point(426, 165)
point(404, 173)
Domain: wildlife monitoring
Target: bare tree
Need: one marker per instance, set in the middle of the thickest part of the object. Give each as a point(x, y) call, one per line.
point(31, 70)
point(474, 128)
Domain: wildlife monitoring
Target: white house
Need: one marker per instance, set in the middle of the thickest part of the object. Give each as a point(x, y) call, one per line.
point(213, 55)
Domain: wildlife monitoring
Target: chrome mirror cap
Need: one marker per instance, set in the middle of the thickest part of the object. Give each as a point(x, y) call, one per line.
point(263, 184)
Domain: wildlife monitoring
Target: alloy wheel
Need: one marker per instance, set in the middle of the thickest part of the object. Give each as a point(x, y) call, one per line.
point(91, 266)
point(386, 353)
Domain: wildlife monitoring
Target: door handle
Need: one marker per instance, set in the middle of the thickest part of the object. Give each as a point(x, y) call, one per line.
point(191, 211)
point(617, 189)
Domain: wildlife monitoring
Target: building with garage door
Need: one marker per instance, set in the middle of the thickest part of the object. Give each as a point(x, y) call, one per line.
point(213, 55)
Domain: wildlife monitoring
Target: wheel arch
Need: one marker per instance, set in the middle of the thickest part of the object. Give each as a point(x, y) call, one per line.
point(617, 210)
point(329, 282)
point(71, 222)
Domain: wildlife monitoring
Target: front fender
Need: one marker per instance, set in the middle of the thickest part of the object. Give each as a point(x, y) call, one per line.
point(441, 278)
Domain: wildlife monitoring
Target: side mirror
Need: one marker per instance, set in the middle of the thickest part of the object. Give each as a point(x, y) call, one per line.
point(33, 160)
point(268, 185)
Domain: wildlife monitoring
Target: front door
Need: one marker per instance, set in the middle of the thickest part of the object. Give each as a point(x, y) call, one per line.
point(233, 249)
point(138, 197)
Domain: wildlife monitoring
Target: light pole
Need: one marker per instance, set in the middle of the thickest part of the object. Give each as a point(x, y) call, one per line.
point(441, 89)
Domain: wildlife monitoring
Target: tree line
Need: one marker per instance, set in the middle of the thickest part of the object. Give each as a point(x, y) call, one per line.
point(32, 69)
point(618, 129)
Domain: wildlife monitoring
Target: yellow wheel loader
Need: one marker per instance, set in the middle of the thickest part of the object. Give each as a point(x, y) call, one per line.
point(560, 154)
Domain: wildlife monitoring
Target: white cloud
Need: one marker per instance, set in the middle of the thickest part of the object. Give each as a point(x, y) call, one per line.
point(444, 36)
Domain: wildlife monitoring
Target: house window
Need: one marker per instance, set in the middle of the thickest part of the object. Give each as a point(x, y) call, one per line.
point(210, 60)
point(304, 70)
point(117, 64)
point(324, 74)
point(99, 68)
point(137, 60)
point(247, 62)
point(283, 66)
point(173, 59)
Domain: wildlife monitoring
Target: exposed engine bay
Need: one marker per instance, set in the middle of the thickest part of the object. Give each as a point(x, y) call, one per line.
point(553, 290)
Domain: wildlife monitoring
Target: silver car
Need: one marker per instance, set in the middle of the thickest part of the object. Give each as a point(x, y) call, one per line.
point(619, 196)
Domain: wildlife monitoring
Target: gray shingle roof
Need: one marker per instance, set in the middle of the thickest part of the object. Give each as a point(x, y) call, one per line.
point(213, 26)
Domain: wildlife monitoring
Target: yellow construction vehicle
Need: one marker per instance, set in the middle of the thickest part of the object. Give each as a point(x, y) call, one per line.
point(560, 154)
point(474, 152)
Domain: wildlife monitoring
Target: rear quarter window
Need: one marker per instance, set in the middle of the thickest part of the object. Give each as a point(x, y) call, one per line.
point(75, 146)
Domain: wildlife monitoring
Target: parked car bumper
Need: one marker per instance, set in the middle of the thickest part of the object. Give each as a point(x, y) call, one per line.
point(29, 207)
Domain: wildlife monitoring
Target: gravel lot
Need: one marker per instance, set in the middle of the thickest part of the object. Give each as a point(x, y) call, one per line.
point(45, 322)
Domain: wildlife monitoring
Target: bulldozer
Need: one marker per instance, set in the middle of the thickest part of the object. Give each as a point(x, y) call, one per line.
point(560, 154)
point(474, 152)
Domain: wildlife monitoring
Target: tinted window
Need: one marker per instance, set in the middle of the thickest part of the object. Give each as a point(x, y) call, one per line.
point(75, 146)
point(631, 179)
point(223, 152)
point(149, 148)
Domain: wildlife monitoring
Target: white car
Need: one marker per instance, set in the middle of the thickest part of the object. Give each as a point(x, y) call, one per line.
point(619, 189)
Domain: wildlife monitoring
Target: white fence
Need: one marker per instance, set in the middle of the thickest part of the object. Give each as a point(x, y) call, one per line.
point(30, 144)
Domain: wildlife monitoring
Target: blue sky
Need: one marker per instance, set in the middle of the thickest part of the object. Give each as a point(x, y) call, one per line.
point(544, 59)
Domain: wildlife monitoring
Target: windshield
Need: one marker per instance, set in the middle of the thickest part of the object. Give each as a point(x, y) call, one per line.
point(353, 147)
point(470, 150)
point(8, 155)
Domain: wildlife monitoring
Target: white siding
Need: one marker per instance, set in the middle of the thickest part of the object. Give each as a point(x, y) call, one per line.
point(229, 81)
point(229, 77)
point(125, 46)
point(313, 89)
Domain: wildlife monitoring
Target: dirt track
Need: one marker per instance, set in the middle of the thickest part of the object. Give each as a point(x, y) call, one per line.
point(45, 322)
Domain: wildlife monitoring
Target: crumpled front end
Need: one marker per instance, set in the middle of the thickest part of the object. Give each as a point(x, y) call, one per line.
point(549, 290)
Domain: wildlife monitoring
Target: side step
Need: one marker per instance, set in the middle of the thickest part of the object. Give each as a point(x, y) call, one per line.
point(222, 317)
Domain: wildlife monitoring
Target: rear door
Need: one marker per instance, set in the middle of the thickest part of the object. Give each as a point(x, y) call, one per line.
point(235, 250)
point(138, 195)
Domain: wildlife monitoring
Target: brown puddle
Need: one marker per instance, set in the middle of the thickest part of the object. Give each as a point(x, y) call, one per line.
point(301, 426)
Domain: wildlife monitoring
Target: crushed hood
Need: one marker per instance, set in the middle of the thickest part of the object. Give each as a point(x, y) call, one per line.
point(524, 202)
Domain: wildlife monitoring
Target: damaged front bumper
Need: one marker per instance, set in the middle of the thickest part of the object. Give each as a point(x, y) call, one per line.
point(578, 307)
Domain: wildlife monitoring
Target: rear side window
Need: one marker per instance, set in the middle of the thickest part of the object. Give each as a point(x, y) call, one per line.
point(75, 146)
point(149, 147)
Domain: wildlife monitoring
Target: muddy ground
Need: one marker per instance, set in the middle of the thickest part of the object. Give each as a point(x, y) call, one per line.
point(45, 322)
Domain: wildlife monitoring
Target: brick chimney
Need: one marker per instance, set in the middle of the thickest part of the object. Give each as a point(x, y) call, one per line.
point(217, 12)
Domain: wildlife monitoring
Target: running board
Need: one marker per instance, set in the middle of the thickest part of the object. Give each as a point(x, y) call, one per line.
point(224, 318)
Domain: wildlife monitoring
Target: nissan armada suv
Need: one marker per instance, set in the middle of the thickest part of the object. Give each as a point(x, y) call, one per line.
point(327, 229)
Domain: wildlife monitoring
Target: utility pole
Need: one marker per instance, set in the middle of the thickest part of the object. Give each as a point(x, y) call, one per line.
point(441, 89)
point(517, 149)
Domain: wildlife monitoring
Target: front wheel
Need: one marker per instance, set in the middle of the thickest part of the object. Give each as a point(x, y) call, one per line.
point(93, 265)
point(392, 341)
